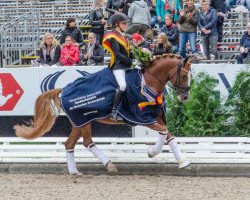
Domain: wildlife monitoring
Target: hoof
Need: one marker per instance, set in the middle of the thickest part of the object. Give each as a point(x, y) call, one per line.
point(111, 167)
point(184, 164)
point(152, 152)
point(76, 174)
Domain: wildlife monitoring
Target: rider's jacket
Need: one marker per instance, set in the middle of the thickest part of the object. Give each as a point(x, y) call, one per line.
point(118, 46)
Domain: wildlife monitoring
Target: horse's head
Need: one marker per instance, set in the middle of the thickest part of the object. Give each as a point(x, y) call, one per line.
point(169, 68)
point(180, 78)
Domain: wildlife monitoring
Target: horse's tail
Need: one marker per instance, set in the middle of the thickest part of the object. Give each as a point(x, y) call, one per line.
point(44, 118)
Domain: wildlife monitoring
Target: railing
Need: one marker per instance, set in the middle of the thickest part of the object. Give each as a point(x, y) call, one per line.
point(19, 37)
point(131, 150)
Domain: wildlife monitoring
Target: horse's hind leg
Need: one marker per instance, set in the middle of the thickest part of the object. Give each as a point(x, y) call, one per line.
point(69, 146)
point(91, 146)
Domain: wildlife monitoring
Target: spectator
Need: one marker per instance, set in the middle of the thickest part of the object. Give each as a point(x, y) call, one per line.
point(160, 12)
point(173, 7)
point(70, 53)
point(245, 3)
point(114, 6)
point(151, 8)
point(97, 20)
point(208, 25)
point(162, 45)
point(244, 45)
point(140, 17)
point(220, 7)
point(188, 31)
point(50, 51)
point(139, 41)
point(93, 54)
point(127, 4)
point(230, 3)
point(72, 31)
point(172, 32)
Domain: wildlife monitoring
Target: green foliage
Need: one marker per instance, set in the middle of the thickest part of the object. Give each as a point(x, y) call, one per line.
point(238, 104)
point(175, 114)
point(143, 56)
point(201, 115)
point(203, 110)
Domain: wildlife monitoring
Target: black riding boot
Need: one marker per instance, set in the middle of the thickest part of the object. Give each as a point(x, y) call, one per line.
point(116, 102)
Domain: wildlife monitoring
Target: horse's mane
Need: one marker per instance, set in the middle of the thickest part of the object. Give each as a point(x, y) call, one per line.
point(170, 55)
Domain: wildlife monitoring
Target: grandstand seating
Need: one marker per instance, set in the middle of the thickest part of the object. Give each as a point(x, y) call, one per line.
point(20, 35)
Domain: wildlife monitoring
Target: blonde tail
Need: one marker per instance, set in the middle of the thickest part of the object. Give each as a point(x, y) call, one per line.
point(44, 117)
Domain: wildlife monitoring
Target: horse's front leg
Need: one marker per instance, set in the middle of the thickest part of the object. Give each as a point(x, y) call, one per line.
point(91, 146)
point(69, 146)
point(165, 135)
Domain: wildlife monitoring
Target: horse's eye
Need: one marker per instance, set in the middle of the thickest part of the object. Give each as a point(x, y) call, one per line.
point(184, 78)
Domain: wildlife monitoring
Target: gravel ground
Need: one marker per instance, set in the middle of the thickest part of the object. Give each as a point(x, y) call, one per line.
point(52, 186)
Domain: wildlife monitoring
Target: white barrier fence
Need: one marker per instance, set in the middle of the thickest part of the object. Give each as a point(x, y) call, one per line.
point(126, 150)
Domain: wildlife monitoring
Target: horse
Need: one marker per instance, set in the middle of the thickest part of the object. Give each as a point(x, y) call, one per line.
point(161, 70)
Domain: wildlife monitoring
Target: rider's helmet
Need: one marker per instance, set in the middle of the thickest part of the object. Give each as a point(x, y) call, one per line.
point(118, 17)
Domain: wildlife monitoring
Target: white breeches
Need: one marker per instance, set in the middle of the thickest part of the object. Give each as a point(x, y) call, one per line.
point(120, 78)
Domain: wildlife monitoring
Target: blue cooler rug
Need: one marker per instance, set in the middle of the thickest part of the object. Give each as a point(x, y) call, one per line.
point(91, 97)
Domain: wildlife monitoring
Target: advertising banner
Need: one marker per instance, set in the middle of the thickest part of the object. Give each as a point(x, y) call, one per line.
point(19, 87)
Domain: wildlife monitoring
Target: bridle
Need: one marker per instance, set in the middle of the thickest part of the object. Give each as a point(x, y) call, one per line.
point(176, 87)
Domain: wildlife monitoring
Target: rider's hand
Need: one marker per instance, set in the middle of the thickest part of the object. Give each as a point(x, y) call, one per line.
point(242, 49)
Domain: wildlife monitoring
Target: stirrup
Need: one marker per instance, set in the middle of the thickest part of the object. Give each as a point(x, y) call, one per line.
point(114, 116)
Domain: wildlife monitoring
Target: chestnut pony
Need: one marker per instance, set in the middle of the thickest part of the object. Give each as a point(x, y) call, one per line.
point(162, 69)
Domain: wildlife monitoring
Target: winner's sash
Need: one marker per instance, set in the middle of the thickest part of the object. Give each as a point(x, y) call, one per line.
point(107, 45)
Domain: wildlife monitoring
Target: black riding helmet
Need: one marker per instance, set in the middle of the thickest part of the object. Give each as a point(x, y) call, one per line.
point(118, 17)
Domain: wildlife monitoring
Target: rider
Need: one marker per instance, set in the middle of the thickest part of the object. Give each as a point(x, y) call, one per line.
point(118, 46)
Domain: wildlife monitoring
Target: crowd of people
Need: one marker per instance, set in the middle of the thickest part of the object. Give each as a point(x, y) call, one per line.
point(176, 25)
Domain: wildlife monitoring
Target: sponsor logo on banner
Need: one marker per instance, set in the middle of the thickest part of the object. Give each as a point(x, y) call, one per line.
point(49, 82)
point(10, 92)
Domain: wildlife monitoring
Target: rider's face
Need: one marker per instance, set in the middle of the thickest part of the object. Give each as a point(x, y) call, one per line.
point(123, 26)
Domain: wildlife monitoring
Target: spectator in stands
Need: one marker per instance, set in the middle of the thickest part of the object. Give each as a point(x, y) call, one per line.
point(207, 23)
point(244, 45)
point(230, 3)
point(140, 17)
point(173, 7)
point(93, 54)
point(167, 7)
point(149, 37)
point(162, 45)
point(151, 7)
point(246, 3)
point(220, 7)
point(127, 4)
point(72, 31)
point(70, 53)
point(188, 31)
point(97, 20)
point(114, 6)
point(50, 52)
point(172, 32)
point(160, 12)
point(139, 41)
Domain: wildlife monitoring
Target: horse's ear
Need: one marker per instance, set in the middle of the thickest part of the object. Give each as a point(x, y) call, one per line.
point(188, 58)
